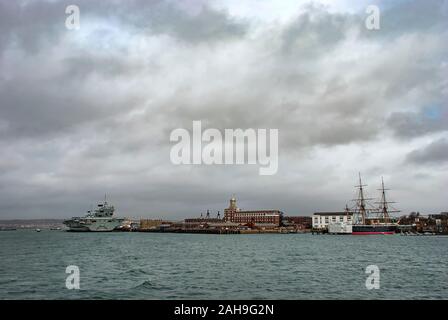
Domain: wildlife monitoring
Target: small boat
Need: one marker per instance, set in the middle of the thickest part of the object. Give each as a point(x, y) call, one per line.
point(38, 230)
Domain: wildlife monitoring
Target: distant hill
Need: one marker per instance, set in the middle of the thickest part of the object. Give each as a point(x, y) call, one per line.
point(31, 223)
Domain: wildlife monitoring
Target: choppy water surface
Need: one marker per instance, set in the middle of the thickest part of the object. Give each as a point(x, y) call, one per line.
point(195, 266)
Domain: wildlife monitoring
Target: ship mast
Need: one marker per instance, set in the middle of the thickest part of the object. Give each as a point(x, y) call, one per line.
point(384, 204)
point(361, 201)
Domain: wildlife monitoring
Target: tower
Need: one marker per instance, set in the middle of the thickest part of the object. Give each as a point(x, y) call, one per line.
point(231, 210)
point(233, 204)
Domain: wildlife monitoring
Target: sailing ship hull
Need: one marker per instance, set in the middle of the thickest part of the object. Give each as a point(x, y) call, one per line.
point(373, 229)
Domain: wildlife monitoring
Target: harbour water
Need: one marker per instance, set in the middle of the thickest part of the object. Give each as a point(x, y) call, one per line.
point(124, 265)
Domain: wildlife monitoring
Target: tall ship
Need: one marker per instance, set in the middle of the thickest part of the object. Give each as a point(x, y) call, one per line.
point(367, 219)
point(99, 220)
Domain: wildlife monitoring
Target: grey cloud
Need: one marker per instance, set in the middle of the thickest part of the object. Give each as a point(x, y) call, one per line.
point(316, 31)
point(30, 24)
point(33, 24)
point(415, 124)
point(33, 109)
point(434, 153)
point(78, 122)
point(410, 17)
point(208, 25)
point(78, 87)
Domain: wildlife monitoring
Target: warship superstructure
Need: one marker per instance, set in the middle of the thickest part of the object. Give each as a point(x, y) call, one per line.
point(99, 220)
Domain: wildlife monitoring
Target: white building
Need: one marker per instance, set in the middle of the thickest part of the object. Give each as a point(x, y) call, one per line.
point(321, 220)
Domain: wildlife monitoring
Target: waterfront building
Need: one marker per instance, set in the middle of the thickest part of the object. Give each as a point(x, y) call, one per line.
point(321, 220)
point(152, 224)
point(432, 223)
point(194, 223)
point(270, 218)
point(301, 222)
point(203, 220)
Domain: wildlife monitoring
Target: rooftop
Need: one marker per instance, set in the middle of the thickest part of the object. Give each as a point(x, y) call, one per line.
point(332, 214)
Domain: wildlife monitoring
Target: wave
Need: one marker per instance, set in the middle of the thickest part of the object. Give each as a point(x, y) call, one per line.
point(134, 272)
point(147, 284)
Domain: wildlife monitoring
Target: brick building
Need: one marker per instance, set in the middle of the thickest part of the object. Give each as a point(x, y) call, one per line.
point(302, 222)
point(260, 217)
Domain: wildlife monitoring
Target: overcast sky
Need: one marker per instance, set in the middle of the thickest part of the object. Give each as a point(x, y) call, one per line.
point(87, 112)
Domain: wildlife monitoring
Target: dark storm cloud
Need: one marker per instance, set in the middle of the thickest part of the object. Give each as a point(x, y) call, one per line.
point(434, 153)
